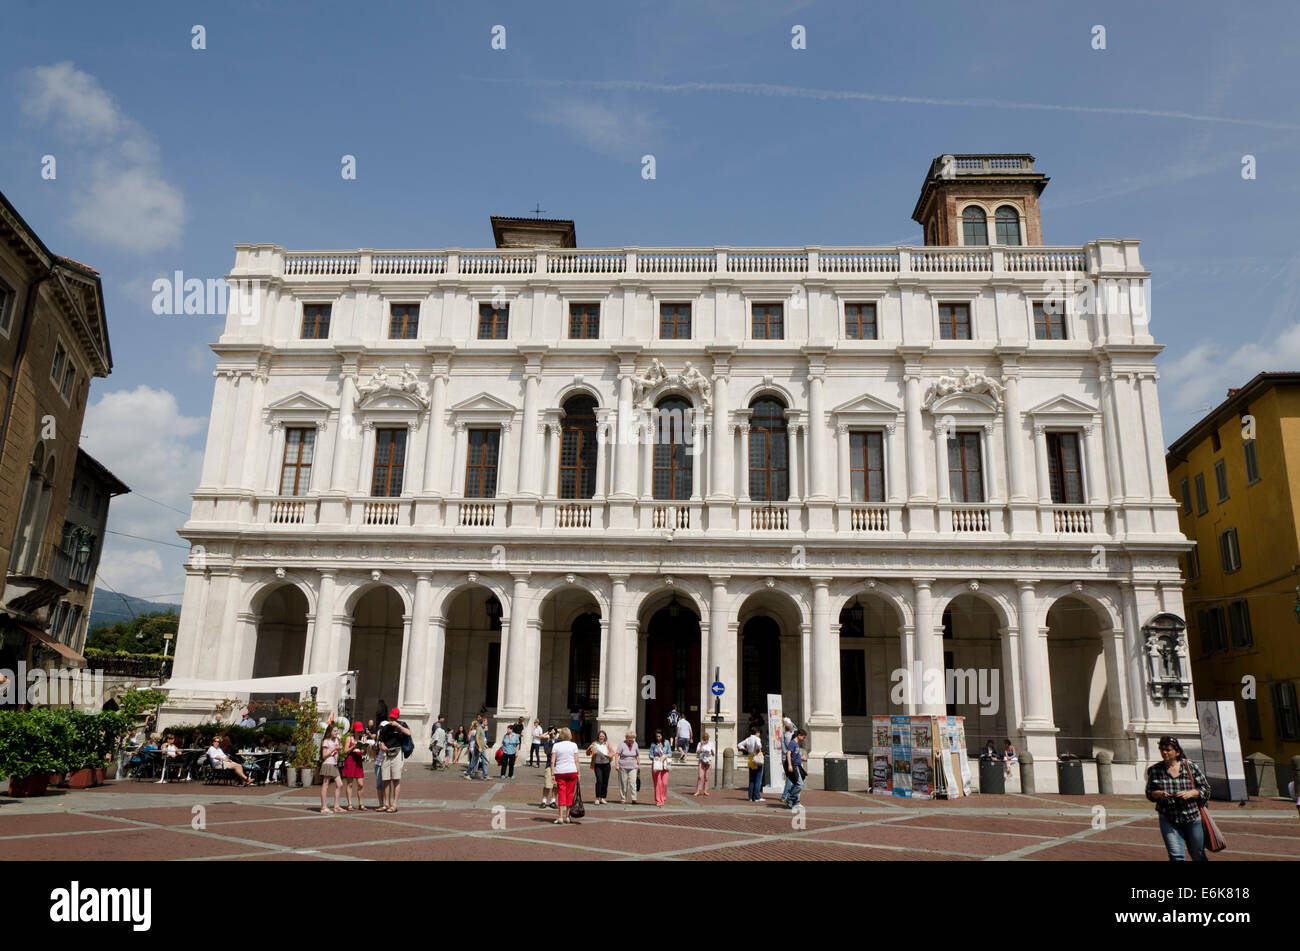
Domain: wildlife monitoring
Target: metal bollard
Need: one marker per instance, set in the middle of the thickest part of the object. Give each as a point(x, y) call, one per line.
point(1027, 773)
point(728, 766)
point(1105, 781)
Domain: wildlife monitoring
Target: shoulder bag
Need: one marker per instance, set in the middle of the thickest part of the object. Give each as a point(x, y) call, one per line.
point(577, 810)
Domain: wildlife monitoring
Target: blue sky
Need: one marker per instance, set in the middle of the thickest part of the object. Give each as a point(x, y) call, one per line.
point(167, 156)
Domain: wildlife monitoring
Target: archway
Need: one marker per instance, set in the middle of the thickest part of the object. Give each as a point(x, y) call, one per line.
point(871, 651)
point(376, 650)
point(1085, 704)
point(281, 638)
point(471, 677)
point(672, 659)
point(974, 681)
point(569, 669)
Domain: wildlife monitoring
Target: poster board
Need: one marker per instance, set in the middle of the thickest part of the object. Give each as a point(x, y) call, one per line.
point(776, 749)
point(1221, 749)
point(900, 735)
point(882, 771)
point(919, 757)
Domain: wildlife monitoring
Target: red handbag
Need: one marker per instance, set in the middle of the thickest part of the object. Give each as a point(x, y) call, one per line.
point(1214, 840)
point(500, 754)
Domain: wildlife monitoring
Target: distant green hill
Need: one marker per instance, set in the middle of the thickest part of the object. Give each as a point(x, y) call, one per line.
point(113, 608)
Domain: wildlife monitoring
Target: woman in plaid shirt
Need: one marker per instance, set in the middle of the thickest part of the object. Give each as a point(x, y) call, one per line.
point(1178, 788)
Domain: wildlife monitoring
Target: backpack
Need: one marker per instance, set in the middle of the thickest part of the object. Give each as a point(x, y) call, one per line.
point(408, 744)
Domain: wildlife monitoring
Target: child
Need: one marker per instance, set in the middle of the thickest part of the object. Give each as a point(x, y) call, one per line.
point(549, 788)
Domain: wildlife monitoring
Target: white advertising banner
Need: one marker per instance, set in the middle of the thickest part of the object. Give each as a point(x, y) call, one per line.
point(1221, 749)
point(775, 770)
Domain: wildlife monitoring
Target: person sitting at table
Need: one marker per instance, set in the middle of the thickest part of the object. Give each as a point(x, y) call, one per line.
point(221, 760)
point(169, 753)
point(262, 745)
point(196, 740)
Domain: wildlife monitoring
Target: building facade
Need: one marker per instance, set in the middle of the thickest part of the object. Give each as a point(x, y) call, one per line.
point(1236, 474)
point(53, 341)
point(536, 478)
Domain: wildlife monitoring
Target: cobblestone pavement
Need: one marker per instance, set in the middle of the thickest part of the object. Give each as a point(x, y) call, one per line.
point(444, 817)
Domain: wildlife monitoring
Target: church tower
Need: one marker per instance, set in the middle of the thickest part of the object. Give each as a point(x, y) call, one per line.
point(979, 200)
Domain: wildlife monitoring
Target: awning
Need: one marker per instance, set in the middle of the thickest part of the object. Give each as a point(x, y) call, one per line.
point(292, 683)
point(72, 657)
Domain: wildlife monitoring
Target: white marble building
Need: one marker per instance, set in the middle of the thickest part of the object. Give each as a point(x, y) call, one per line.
point(526, 479)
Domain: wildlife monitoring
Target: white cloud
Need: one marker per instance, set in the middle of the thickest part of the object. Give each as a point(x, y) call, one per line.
point(618, 133)
point(123, 199)
point(144, 439)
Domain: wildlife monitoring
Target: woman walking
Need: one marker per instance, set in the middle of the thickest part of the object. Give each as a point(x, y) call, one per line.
point(354, 766)
point(628, 762)
point(660, 755)
point(1178, 788)
point(329, 768)
point(705, 753)
point(752, 746)
point(564, 764)
point(509, 750)
point(601, 753)
point(535, 750)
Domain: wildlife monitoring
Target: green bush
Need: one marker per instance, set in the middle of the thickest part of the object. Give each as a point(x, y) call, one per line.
point(240, 736)
point(35, 743)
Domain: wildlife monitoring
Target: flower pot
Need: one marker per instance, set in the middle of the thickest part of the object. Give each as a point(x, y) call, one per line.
point(305, 775)
point(56, 779)
point(110, 771)
point(28, 785)
point(85, 778)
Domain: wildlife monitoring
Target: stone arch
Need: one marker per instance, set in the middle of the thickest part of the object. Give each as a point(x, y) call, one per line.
point(571, 389)
point(871, 651)
point(772, 628)
point(259, 591)
point(280, 645)
point(771, 390)
point(990, 593)
point(358, 590)
point(377, 643)
point(572, 620)
point(797, 600)
point(975, 651)
point(651, 600)
point(582, 582)
point(444, 600)
point(842, 594)
point(1085, 672)
point(670, 650)
point(1088, 594)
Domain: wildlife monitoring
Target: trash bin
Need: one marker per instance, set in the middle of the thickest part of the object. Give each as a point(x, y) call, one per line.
point(835, 777)
point(1069, 774)
point(993, 777)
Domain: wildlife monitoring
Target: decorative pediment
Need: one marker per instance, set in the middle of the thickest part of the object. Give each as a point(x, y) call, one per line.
point(970, 404)
point(968, 384)
point(483, 403)
point(299, 402)
point(403, 386)
point(656, 380)
point(1063, 405)
point(866, 405)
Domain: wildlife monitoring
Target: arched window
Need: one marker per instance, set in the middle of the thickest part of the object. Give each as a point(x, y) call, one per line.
point(974, 226)
point(1008, 225)
point(672, 447)
point(769, 467)
point(578, 449)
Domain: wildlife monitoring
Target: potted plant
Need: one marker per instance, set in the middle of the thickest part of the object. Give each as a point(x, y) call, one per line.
point(34, 744)
point(95, 735)
point(304, 740)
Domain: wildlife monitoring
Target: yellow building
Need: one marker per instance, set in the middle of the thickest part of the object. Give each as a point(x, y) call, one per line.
point(1239, 498)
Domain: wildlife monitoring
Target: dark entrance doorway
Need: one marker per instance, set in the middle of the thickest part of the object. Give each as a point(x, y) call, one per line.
point(760, 660)
point(673, 660)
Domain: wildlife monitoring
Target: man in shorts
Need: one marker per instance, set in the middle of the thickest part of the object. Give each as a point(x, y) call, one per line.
point(392, 734)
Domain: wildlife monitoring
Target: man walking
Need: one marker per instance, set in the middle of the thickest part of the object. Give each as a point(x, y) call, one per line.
point(794, 774)
point(684, 735)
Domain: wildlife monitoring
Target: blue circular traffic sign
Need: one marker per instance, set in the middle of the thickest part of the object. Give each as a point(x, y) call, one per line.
point(717, 688)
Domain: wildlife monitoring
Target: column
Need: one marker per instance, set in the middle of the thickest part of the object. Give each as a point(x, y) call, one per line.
point(322, 642)
point(1151, 423)
point(437, 661)
point(276, 457)
point(552, 459)
point(458, 460)
point(1092, 452)
point(928, 648)
point(742, 431)
point(214, 452)
point(845, 458)
point(1033, 660)
point(1040, 461)
point(433, 447)
point(720, 656)
point(602, 450)
point(255, 438)
point(618, 678)
point(646, 443)
point(1110, 441)
point(528, 474)
point(234, 597)
point(897, 482)
point(824, 722)
point(366, 462)
point(626, 445)
point(347, 433)
point(1131, 458)
point(192, 630)
point(508, 484)
point(415, 689)
point(516, 649)
point(234, 422)
point(817, 474)
point(697, 453)
point(941, 461)
point(1014, 434)
point(720, 482)
point(798, 485)
point(915, 435)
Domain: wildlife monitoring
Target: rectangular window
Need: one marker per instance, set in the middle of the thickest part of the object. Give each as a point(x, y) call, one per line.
point(1285, 719)
point(390, 459)
point(69, 378)
point(1215, 442)
point(1253, 729)
point(1187, 497)
point(493, 322)
point(8, 300)
point(315, 321)
point(84, 501)
point(74, 623)
point(481, 463)
point(1229, 552)
point(1202, 504)
point(853, 683)
point(672, 462)
point(1252, 462)
point(860, 321)
point(404, 322)
point(965, 468)
point(1213, 630)
point(769, 321)
point(954, 322)
point(1221, 480)
point(1049, 321)
point(1194, 563)
point(493, 675)
point(867, 466)
point(1239, 624)
point(1063, 468)
point(60, 357)
point(675, 321)
point(295, 468)
point(584, 321)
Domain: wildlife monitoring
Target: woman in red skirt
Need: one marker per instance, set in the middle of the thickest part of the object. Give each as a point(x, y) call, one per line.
point(354, 768)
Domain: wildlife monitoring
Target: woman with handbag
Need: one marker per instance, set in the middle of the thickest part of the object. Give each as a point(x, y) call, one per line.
point(705, 753)
point(628, 768)
point(660, 756)
point(752, 746)
point(601, 753)
point(564, 764)
point(1180, 790)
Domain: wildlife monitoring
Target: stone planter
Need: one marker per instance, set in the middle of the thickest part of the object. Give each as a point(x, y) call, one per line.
point(85, 778)
point(304, 775)
point(28, 785)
